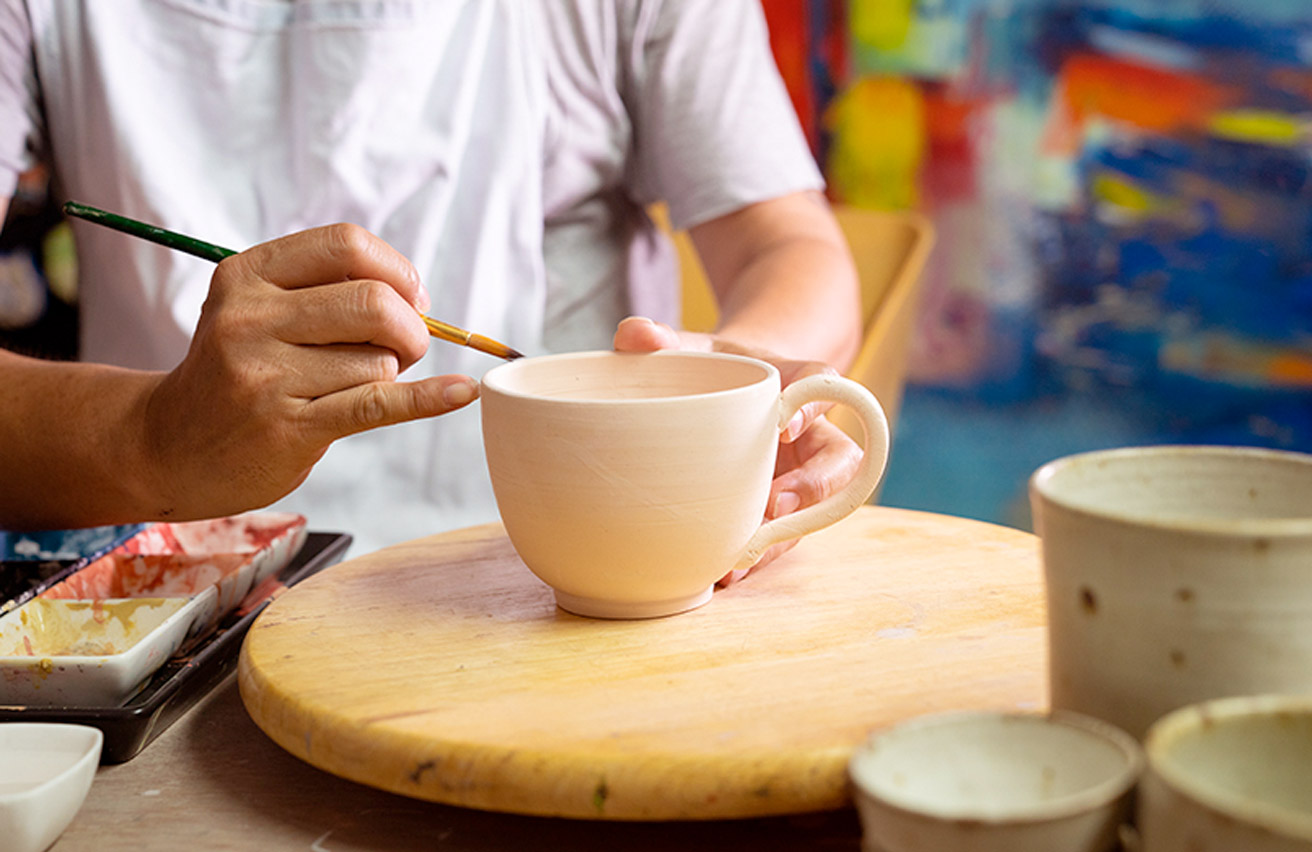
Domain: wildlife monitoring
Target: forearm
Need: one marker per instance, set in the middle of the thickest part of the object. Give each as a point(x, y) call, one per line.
point(72, 445)
point(784, 280)
point(795, 300)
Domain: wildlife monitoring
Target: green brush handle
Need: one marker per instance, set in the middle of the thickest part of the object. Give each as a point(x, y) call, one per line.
point(172, 240)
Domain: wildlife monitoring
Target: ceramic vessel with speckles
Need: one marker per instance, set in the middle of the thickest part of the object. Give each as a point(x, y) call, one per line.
point(995, 782)
point(1230, 774)
point(1175, 574)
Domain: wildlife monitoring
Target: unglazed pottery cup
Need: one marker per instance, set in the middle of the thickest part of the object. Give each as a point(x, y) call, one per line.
point(631, 483)
point(1230, 774)
point(1175, 574)
point(995, 782)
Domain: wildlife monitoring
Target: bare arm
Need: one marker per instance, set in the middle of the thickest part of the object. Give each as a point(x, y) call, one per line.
point(72, 449)
point(300, 343)
point(784, 279)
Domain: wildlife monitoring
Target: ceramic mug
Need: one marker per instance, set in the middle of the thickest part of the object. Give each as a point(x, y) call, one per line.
point(630, 483)
point(995, 782)
point(1230, 774)
point(1175, 574)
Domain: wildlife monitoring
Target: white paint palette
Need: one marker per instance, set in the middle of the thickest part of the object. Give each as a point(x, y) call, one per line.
point(94, 637)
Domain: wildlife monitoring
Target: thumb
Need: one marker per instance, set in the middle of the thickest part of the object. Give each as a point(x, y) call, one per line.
point(640, 334)
point(370, 406)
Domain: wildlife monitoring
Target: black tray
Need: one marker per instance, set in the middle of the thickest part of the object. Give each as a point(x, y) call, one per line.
point(183, 681)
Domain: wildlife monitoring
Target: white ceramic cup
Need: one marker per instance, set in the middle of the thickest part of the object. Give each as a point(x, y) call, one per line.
point(995, 782)
point(1175, 574)
point(631, 483)
point(46, 771)
point(1230, 774)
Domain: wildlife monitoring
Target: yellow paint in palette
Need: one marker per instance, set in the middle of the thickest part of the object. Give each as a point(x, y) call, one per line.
point(61, 628)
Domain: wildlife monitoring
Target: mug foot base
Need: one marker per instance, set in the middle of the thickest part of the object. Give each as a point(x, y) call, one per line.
point(600, 608)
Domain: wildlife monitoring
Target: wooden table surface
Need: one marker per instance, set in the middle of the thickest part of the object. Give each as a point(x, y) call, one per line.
point(215, 781)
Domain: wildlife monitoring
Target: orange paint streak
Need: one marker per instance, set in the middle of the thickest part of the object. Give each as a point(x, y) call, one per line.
point(1291, 369)
point(1154, 99)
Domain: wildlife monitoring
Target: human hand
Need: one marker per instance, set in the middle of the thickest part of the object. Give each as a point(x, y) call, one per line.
point(816, 459)
point(300, 342)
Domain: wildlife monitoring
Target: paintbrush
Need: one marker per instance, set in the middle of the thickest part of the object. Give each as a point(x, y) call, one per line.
point(211, 252)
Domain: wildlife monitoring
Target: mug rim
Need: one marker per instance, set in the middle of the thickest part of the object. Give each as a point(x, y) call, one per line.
point(494, 379)
point(1083, 801)
point(1041, 488)
point(1244, 810)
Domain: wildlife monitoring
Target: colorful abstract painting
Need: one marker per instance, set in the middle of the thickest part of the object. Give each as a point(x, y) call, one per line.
point(1122, 193)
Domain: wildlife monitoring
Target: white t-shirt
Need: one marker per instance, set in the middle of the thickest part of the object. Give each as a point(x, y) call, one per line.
point(454, 130)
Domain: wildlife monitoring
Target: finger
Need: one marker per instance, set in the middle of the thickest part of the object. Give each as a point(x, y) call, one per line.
point(806, 417)
point(385, 403)
point(640, 334)
point(732, 577)
point(793, 371)
point(771, 554)
point(826, 460)
point(340, 252)
point(365, 311)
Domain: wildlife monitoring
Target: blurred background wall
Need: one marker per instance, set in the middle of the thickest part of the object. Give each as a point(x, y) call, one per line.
point(38, 274)
point(1124, 213)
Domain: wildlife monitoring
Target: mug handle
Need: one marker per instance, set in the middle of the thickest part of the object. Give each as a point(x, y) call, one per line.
point(835, 507)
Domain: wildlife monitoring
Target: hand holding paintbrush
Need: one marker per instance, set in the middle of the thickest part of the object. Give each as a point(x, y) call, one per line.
point(300, 342)
point(209, 251)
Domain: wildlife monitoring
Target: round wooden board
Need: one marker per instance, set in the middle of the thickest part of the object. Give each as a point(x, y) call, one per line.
point(442, 669)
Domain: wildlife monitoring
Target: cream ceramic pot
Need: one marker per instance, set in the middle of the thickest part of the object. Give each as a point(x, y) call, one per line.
point(1230, 774)
point(631, 483)
point(1175, 574)
point(995, 782)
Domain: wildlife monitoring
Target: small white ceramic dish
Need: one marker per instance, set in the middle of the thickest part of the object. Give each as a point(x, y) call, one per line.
point(62, 653)
point(995, 782)
point(46, 770)
point(1230, 774)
